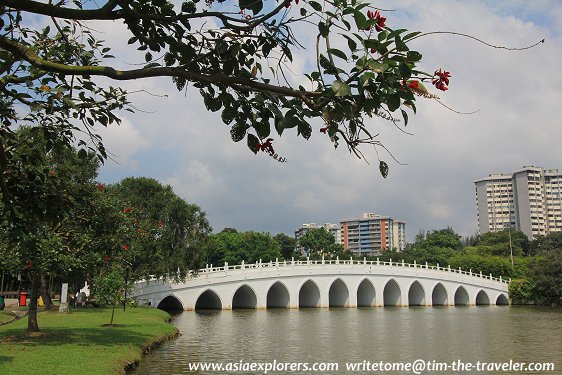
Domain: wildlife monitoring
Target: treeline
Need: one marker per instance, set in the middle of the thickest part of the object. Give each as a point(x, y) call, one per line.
point(535, 267)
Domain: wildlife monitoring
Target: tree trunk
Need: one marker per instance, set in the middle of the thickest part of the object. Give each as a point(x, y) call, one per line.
point(112, 315)
point(45, 294)
point(32, 325)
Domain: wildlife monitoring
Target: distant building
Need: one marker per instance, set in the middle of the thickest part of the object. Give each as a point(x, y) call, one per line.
point(332, 228)
point(372, 234)
point(529, 200)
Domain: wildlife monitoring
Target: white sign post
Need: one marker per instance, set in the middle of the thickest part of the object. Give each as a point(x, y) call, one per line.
point(64, 298)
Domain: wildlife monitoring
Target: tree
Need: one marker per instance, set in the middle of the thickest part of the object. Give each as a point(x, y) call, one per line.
point(234, 54)
point(545, 272)
point(260, 247)
point(163, 235)
point(109, 288)
point(442, 238)
point(498, 243)
point(287, 245)
point(235, 247)
point(319, 241)
point(48, 183)
point(497, 266)
point(550, 242)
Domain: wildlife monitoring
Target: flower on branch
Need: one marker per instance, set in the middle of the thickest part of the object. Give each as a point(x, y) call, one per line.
point(376, 15)
point(266, 146)
point(28, 265)
point(100, 187)
point(441, 79)
point(127, 210)
point(124, 247)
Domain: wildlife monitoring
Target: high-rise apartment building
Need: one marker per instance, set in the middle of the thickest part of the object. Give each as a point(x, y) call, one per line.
point(372, 234)
point(529, 200)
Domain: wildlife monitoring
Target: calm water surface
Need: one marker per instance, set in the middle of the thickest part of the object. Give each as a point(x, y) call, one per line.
point(469, 334)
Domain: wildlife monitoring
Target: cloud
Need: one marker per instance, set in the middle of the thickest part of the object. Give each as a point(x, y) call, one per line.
point(123, 142)
point(517, 94)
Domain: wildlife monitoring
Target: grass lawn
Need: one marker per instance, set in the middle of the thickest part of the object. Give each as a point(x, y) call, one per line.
point(5, 316)
point(78, 343)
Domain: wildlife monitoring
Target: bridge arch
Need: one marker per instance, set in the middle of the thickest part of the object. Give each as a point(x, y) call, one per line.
point(482, 298)
point(208, 300)
point(461, 296)
point(439, 295)
point(338, 295)
point(309, 294)
point(392, 295)
point(416, 294)
point(278, 296)
point(244, 298)
point(170, 303)
point(366, 294)
point(502, 300)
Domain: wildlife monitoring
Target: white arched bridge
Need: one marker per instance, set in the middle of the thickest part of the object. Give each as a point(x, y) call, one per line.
point(345, 283)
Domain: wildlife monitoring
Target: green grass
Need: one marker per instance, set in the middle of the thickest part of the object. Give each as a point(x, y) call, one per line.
point(5, 316)
point(78, 343)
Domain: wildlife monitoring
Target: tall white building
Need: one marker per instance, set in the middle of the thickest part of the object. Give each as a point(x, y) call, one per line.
point(529, 200)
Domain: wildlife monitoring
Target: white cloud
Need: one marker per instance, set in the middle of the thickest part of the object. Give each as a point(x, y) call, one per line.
point(517, 93)
point(123, 142)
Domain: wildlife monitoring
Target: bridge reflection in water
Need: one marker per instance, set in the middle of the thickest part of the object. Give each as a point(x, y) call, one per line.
point(334, 283)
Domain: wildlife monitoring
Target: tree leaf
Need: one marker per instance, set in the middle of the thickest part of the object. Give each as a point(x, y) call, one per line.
point(316, 6)
point(405, 116)
point(304, 129)
point(338, 53)
point(383, 168)
point(254, 5)
point(393, 102)
point(341, 88)
point(253, 142)
point(377, 67)
point(238, 131)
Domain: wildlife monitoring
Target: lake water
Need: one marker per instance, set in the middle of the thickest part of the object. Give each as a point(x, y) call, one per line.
point(354, 335)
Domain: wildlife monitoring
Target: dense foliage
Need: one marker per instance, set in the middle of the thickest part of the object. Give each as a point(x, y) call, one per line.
point(536, 279)
point(76, 229)
point(237, 55)
point(232, 247)
point(318, 242)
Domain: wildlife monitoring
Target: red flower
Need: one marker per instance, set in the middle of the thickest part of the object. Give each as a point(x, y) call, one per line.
point(414, 85)
point(266, 146)
point(324, 130)
point(28, 265)
point(124, 247)
point(127, 210)
point(100, 187)
point(376, 15)
point(441, 79)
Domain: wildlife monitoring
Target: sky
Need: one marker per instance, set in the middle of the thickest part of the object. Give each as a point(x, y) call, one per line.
point(517, 96)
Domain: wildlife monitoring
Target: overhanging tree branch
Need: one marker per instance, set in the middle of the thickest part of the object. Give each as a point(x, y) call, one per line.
point(124, 75)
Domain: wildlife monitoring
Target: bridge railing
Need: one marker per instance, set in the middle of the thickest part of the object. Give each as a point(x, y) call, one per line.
point(210, 269)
